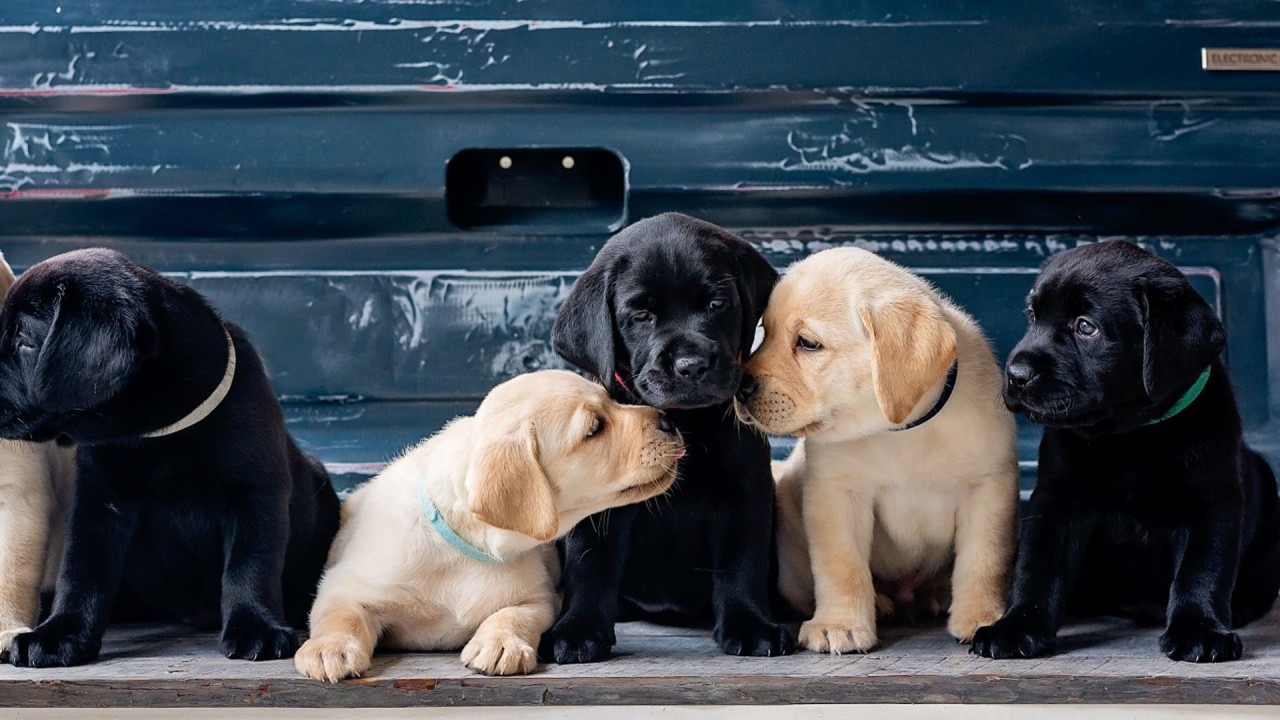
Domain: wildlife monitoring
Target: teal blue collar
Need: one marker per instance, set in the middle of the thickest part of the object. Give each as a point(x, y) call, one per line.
point(1187, 398)
point(449, 535)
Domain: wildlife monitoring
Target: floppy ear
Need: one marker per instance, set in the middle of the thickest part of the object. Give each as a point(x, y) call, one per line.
point(1181, 335)
point(912, 348)
point(583, 330)
point(508, 489)
point(6, 276)
point(87, 354)
point(756, 278)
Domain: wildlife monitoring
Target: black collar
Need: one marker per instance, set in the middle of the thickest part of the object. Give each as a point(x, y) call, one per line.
point(942, 399)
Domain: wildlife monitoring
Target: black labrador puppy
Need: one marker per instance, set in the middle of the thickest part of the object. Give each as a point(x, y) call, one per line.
point(191, 498)
point(1148, 502)
point(663, 317)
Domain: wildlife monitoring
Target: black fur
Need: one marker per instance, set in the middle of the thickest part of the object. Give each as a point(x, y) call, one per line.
point(226, 520)
point(670, 305)
point(1176, 520)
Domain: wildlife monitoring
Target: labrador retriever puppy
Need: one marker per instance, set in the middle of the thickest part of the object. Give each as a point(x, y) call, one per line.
point(36, 480)
point(907, 468)
point(1148, 502)
point(190, 495)
point(449, 547)
point(662, 317)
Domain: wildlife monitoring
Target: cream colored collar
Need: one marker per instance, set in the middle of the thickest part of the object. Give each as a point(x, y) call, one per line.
point(206, 408)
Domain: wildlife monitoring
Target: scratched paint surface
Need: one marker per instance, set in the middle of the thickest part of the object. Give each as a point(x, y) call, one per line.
point(287, 158)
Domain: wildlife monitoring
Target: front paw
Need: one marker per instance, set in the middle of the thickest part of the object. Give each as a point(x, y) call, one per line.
point(753, 635)
point(1200, 640)
point(249, 637)
point(573, 642)
point(838, 636)
point(965, 620)
point(332, 658)
point(60, 641)
point(499, 654)
point(1013, 636)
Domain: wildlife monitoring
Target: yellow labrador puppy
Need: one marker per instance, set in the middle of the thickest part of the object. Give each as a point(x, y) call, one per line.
point(36, 482)
point(451, 546)
point(907, 468)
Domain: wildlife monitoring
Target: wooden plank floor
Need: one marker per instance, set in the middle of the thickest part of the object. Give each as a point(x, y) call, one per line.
point(1101, 662)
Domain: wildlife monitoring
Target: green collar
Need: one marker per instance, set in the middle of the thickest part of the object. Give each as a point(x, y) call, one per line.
point(449, 535)
point(1187, 398)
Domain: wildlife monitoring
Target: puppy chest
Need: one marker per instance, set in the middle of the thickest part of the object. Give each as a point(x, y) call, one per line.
point(914, 532)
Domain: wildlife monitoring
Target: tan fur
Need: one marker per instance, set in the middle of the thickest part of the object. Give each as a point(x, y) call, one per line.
point(861, 507)
point(36, 483)
point(393, 581)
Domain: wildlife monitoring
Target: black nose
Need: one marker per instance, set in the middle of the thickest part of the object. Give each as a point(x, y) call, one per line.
point(664, 424)
point(691, 366)
point(1019, 374)
point(748, 388)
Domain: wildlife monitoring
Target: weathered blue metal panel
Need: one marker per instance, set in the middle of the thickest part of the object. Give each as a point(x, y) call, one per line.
point(288, 158)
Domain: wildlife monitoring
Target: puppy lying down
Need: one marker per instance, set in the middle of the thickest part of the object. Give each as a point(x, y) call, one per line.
point(451, 546)
point(907, 470)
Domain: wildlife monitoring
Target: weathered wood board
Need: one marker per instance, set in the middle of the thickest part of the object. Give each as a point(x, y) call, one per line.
point(1099, 662)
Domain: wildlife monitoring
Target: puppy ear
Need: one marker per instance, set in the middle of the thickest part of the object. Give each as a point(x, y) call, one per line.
point(583, 330)
point(88, 353)
point(912, 348)
point(6, 276)
point(1181, 335)
point(508, 489)
point(756, 278)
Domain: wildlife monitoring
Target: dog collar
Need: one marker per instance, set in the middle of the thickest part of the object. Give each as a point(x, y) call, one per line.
point(204, 409)
point(449, 535)
point(1187, 398)
point(947, 387)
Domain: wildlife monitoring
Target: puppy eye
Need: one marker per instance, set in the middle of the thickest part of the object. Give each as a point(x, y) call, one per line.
point(805, 343)
point(1030, 312)
point(24, 343)
point(643, 316)
point(597, 426)
point(1084, 327)
point(715, 305)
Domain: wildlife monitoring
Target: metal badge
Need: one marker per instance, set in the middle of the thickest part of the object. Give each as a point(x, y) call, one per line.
point(1240, 59)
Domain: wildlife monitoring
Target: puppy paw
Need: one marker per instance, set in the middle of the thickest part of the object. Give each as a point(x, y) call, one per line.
point(1013, 636)
point(838, 637)
point(965, 620)
point(60, 641)
point(332, 658)
point(6, 639)
point(1200, 640)
point(751, 635)
point(571, 643)
point(499, 654)
point(885, 607)
point(249, 637)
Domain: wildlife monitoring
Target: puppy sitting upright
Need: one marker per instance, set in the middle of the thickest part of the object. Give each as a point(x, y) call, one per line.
point(448, 546)
point(190, 496)
point(907, 469)
point(663, 317)
point(1148, 502)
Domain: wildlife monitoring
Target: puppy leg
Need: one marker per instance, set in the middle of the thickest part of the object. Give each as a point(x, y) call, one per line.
point(253, 626)
point(1206, 556)
point(343, 636)
point(795, 570)
point(984, 548)
point(594, 559)
point(740, 528)
point(101, 529)
point(504, 643)
point(840, 525)
point(25, 510)
point(1051, 546)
